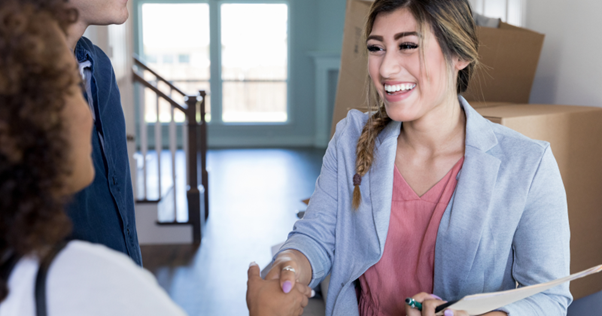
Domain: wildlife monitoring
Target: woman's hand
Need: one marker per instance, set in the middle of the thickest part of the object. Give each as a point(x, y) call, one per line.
point(265, 297)
point(430, 303)
point(290, 267)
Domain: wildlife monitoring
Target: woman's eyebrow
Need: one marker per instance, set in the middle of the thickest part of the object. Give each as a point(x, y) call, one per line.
point(375, 37)
point(404, 34)
point(396, 37)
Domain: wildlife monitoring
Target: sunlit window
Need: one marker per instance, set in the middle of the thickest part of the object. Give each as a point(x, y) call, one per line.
point(510, 11)
point(254, 41)
point(175, 39)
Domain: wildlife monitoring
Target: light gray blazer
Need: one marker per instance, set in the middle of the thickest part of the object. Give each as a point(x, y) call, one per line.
point(506, 223)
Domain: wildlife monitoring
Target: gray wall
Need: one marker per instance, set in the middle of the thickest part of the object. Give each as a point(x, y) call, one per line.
point(570, 68)
point(330, 26)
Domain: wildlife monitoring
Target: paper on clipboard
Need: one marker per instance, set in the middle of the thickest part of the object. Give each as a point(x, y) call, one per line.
point(482, 303)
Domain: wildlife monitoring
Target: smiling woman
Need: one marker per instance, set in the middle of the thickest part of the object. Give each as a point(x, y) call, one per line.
point(432, 51)
point(422, 197)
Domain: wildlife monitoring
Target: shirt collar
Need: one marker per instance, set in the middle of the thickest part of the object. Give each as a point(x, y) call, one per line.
point(479, 133)
point(83, 65)
point(84, 56)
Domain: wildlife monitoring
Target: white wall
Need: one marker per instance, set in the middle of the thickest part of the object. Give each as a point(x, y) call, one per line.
point(570, 67)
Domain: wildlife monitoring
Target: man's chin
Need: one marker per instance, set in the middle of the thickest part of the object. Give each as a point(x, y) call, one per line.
point(122, 18)
point(117, 19)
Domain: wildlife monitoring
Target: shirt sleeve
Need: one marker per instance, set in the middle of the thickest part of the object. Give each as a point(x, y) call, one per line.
point(314, 235)
point(541, 244)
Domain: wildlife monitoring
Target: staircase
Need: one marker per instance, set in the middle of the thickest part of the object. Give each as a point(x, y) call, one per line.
point(171, 185)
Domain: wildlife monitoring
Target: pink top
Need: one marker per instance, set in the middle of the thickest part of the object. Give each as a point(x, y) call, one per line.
point(406, 267)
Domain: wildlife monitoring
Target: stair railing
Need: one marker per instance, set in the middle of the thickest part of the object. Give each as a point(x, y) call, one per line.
point(194, 142)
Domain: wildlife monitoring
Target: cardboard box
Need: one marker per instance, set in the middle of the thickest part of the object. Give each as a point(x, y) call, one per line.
point(575, 135)
point(479, 105)
point(353, 74)
point(509, 56)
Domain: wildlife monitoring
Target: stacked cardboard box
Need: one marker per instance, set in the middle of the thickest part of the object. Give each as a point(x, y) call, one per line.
point(575, 136)
point(509, 56)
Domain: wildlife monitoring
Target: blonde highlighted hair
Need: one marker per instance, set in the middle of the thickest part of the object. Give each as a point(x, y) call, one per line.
point(452, 24)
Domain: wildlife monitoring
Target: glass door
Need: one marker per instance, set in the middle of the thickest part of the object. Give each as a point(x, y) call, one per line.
point(175, 44)
point(245, 75)
point(254, 50)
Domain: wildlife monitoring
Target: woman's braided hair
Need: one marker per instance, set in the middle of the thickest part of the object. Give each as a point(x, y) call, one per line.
point(454, 28)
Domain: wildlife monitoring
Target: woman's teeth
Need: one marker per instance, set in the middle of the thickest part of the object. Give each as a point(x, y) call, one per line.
point(399, 87)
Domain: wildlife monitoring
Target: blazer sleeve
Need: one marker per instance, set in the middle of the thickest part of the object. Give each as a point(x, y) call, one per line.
point(541, 243)
point(314, 235)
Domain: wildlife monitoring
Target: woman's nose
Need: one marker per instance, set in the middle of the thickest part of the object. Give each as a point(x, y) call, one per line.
point(390, 65)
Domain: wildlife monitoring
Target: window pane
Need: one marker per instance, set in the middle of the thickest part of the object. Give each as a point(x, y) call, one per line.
point(254, 62)
point(510, 11)
point(175, 40)
point(515, 12)
point(254, 102)
point(495, 9)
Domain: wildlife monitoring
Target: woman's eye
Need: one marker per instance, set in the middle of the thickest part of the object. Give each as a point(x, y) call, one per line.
point(406, 46)
point(372, 48)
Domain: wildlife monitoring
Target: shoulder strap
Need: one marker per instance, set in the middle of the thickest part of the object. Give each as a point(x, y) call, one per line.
point(40, 290)
point(8, 265)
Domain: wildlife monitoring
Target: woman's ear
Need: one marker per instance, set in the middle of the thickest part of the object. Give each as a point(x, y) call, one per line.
point(460, 63)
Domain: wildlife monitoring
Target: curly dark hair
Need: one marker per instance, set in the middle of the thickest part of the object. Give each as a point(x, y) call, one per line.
point(33, 144)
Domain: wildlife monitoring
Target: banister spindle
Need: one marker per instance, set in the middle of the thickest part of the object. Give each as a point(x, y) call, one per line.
point(143, 139)
point(172, 148)
point(158, 146)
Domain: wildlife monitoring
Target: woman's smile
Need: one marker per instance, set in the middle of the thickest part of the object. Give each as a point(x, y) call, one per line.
point(395, 91)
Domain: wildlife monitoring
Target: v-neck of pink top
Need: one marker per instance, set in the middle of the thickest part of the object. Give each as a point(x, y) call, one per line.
point(407, 265)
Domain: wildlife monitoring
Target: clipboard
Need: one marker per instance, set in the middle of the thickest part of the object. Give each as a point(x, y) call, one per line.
point(478, 304)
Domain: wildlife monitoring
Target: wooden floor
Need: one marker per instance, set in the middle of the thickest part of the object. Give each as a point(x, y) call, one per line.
point(254, 197)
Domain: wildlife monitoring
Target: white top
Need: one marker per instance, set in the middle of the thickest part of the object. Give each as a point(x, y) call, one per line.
point(88, 279)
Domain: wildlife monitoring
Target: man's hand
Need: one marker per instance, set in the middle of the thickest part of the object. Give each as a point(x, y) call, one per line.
point(266, 298)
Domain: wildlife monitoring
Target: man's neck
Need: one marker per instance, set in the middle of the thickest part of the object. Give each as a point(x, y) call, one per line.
point(75, 32)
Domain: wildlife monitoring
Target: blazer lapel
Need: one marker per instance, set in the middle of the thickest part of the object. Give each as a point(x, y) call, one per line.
point(381, 179)
point(461, 226)
point(462, 223)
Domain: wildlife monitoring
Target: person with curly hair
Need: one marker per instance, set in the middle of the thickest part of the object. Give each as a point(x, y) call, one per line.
point(45, 158)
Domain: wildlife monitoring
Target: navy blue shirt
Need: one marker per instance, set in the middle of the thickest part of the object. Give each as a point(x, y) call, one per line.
point(103, 212)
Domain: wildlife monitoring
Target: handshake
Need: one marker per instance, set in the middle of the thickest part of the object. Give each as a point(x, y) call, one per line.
point(282, 293)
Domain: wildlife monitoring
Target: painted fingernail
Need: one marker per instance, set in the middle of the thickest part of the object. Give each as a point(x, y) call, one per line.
point(287, 286)
point(313, 293)
point(448, 312)
point(437, 297)
point(253, 263)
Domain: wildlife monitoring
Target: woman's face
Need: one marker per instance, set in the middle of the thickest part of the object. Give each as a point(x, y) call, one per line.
point(77, 122)
point(410, 87)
